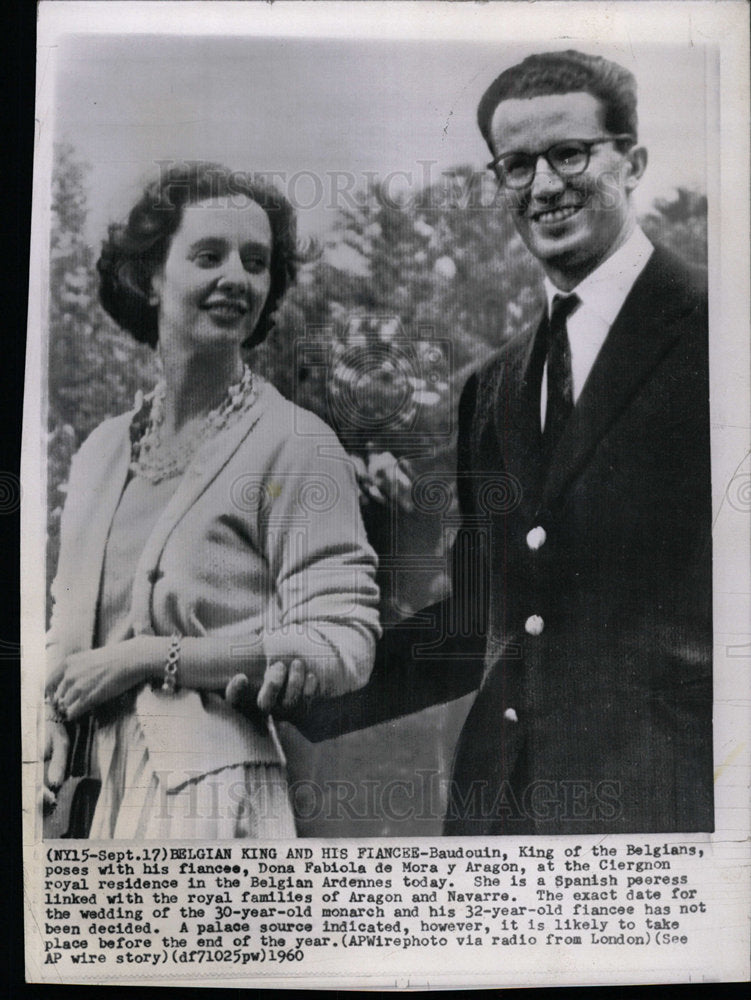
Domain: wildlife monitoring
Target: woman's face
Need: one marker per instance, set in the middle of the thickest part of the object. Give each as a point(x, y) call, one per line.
point(215, 279)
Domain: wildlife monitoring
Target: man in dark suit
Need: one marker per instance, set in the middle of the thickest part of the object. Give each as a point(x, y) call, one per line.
point(584, 612)
point(595, 710)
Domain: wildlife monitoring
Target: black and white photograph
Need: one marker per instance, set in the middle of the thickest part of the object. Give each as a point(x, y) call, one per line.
point(385, 571)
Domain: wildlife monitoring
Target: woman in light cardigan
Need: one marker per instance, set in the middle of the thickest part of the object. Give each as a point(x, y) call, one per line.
point(212, 531)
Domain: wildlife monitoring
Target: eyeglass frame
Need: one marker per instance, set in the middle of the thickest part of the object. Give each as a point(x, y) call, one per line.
point(495, 163)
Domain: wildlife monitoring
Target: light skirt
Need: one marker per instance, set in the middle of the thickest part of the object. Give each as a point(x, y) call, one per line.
point(248, 801)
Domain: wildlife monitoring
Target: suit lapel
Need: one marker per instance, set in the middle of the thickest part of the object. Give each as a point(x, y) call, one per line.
point(641, 334)
point(517, 413)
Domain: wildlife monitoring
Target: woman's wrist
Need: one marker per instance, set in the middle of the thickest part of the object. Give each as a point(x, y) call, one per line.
point(149, 657)
point(208, 663)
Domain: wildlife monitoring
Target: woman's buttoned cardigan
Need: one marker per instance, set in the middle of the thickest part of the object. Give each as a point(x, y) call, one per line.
point(262, 544)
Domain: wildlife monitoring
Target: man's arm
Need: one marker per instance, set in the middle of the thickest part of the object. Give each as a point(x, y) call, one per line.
point(404, 680)
point(436, 655)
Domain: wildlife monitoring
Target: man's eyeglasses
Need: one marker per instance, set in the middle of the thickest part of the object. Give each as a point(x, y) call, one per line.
point(567, 159)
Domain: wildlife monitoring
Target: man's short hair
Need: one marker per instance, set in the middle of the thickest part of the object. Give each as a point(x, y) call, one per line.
point(565, 73)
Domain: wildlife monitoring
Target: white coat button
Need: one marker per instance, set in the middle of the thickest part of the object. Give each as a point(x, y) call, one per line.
point(511, 715)
point(536, 538)
point(534, 625)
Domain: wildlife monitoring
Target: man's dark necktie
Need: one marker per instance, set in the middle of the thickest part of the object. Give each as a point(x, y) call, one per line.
point(560, 379)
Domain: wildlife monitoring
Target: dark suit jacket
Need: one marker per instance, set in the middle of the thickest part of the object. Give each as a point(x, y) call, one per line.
point(600, 722)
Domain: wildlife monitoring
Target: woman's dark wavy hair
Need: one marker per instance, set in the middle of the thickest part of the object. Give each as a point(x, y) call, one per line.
point(134, 252)
point(565, 73)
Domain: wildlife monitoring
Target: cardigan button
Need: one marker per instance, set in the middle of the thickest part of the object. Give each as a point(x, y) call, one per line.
point(536, 538)
point(154, 576)
point(534, 625)
point(510, 715)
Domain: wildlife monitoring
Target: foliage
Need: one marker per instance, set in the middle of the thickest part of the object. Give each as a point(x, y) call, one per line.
point(680, 223)
point(421, 272)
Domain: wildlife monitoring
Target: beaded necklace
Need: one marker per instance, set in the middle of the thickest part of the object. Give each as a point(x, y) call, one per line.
point(150, 461)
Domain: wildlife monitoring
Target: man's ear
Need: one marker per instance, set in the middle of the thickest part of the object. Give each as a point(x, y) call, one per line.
point(636, 160)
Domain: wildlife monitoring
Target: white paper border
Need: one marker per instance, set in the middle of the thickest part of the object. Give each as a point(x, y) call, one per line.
point(724, 24)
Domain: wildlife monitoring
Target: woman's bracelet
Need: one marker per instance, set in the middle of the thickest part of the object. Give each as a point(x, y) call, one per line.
point(169, 684)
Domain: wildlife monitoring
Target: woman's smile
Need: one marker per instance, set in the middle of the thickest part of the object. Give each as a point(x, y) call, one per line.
point(227, 312)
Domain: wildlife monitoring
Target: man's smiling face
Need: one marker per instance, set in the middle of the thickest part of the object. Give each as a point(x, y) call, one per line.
point(571, 224)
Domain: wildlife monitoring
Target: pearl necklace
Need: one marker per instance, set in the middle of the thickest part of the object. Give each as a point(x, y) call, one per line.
point(148, 458)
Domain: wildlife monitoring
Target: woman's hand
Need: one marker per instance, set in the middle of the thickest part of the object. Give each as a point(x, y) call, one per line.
point(286, 690)
point(93, 677)
point(56, 742)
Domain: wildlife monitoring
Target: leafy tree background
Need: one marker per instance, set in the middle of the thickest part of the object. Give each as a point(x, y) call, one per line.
point(378, 337)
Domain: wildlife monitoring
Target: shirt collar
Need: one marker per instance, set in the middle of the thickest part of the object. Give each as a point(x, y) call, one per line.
point(605, 290)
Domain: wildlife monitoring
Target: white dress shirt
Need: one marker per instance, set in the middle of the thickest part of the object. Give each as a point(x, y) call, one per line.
point(602, 295)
